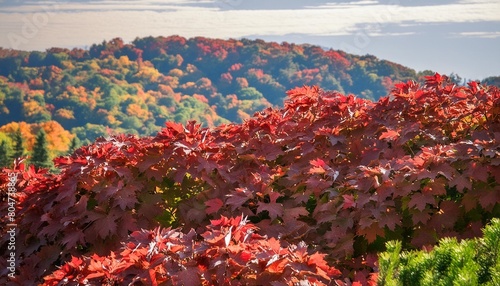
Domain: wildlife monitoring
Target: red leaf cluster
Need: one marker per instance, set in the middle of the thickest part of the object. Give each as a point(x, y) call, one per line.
point(340, 173)
point(229, 253)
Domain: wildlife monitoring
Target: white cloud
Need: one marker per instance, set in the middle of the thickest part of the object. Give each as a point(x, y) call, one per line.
point(467, 11)
point(382, 34)
point(77, 24)
point(343, 4)
point(487, 35)
point(475, 2)
point(100, 6)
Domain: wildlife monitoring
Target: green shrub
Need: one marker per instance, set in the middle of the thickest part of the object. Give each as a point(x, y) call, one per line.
point(468, 262)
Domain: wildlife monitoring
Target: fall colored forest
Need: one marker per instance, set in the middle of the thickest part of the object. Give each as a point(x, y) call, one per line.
point(257, 163)
point(113, 87)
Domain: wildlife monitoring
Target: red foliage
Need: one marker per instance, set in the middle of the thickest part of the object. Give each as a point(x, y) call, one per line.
point(337, 59)
point(340, 173)
point(229, 252)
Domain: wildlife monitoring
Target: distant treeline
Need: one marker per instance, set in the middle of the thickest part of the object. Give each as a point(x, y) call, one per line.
point(114, 87)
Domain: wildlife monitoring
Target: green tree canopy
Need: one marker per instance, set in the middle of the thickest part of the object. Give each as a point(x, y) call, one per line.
point(4, 154)
point(18, 147)
point(75, 144)
point(40, 156)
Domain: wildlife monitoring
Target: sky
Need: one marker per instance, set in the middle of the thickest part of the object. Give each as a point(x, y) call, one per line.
point(449, 36)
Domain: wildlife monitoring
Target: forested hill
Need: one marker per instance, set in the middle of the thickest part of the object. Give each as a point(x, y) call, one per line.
point(137, 87)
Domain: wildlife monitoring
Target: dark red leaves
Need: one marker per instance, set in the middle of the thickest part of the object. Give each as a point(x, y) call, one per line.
point(389, 135)
point(340, 173)
point(436, 80)
point(168, 256)
point(419, 201)
point(348, 201)
point(213, 205)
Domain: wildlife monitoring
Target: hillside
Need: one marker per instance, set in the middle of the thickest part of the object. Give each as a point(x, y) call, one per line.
point(114, 87)
point(305, 194)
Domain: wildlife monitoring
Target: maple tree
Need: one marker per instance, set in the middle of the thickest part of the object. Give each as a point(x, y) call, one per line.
point(339, 173)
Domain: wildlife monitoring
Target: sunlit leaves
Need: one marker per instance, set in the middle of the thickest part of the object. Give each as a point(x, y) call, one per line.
point(232, 251)
point(340, 173)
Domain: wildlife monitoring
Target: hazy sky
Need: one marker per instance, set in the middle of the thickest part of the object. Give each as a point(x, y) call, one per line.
point(460, 36)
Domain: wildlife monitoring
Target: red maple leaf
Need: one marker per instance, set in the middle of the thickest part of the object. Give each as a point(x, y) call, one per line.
point(420, 216)
point(213, 205)
point(389, 134)
point(420, 200)
point(371, 232)
point(176, 127)
point(391, 219)
point(318, 166)
point(349, 201)
point(238, 197)
point(276, 264)
point(274, 209)
point(73, 237)
point(489, 198)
